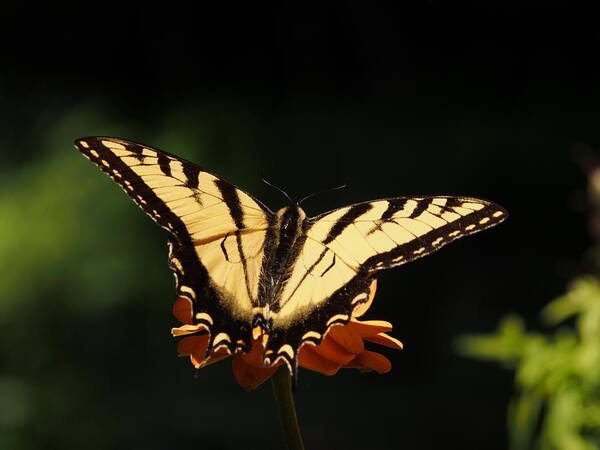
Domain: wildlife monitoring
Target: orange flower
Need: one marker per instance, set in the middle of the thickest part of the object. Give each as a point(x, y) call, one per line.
point(342, 347)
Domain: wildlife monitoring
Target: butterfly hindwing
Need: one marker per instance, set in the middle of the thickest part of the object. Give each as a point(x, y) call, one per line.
point(219, 233)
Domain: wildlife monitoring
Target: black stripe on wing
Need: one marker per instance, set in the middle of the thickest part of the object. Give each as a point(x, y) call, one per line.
point(353, 213)
point(232, 200)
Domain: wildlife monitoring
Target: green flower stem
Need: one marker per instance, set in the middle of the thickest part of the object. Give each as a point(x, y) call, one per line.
point(282, 389)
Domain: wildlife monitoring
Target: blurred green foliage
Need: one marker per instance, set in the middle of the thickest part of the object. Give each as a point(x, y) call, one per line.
point(557, 404)
point(53, 294)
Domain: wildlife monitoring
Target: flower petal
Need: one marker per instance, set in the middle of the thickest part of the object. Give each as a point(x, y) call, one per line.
point(347, 338)
point(362, 308)
point(370, 327)
point(187, 329)
point(384, 339)
point(182, 310)
point(216, 357)
point(255, 356)
point(249, 376)
point(334, 352)
point(356, 364)
point(195, 347)
point(312, 360)
point(187, 345)
point(375, 361)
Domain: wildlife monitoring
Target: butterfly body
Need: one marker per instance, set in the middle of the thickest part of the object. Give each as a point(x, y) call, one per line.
point(248, 272)
point(289, 231)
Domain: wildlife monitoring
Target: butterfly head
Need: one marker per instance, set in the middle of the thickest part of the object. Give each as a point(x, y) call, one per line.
point(291, 219)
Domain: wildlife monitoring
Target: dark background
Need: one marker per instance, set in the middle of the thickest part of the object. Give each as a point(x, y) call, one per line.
point(498, 102)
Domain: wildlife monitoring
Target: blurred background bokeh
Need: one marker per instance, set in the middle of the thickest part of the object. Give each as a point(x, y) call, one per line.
point(498, 101)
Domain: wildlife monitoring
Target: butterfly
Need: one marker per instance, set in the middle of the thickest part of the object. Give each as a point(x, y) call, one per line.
point(250, 272)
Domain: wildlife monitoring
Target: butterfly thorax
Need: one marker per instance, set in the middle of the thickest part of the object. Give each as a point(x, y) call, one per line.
point(289, 230)
point(289, 227)
point(290, 223)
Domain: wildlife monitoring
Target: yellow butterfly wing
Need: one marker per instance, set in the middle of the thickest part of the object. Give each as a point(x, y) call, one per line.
point(218, 232)
point(342, 250)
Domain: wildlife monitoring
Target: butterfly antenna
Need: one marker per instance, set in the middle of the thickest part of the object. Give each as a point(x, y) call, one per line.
point(278, 188)
point(337, 188)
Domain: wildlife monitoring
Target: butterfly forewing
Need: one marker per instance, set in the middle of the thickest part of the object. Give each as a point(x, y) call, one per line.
point(175, 192)
point(387, 233)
